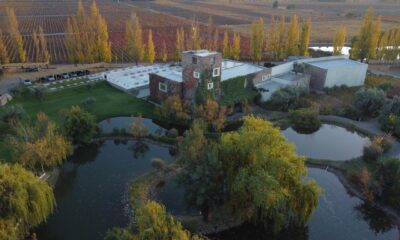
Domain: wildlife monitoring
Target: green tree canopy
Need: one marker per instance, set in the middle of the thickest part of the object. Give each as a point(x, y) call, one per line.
point(79, 125)
point(24, 199)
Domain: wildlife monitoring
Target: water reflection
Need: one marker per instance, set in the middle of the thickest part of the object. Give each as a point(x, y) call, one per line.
point(338, 216)
point(91, 191)
point(329, 142)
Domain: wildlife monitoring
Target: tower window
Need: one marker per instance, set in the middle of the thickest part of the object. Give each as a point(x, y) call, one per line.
point(216, 72)
point(162, 87)
point(196, 75)
point(210, 85)
point(194, 60)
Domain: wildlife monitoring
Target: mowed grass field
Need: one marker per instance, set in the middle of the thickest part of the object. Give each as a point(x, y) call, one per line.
point(109, 102)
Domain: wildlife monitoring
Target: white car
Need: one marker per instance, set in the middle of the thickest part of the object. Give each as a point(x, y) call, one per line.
point(65, 76)
point(27, 82)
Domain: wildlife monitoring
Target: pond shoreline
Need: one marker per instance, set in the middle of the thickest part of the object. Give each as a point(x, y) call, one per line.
point(392, 213)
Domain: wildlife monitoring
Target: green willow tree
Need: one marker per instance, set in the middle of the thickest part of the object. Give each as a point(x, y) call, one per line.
point(254, 173)
point(25, 201)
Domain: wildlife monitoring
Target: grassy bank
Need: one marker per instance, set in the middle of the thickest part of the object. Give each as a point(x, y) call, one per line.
point(109, 102)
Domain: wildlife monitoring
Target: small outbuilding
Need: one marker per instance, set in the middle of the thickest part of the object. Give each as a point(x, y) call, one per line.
point(335, 72)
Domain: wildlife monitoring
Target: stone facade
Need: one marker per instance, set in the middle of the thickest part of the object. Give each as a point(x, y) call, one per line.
point(172, 88)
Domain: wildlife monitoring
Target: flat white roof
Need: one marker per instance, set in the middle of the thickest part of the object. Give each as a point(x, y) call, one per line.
point(202, 53)
point(336, 63)
point(231, 69)
point(138, 76)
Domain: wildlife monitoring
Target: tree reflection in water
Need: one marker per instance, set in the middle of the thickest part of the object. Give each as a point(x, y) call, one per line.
point(377, 220)
point(139, 149)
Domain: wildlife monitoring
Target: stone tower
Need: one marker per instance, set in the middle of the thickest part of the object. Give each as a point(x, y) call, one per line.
point(201, 75)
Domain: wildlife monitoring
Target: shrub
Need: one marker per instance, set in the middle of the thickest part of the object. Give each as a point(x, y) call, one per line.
point(289, 98)
point(372, 152)
point(390, 117)
point(369, 102)
point(172, 133)
point(305, 119)
point(38, 92)
point(351, 112)
point(20, 90)
point(158, 164)
point(13, 113)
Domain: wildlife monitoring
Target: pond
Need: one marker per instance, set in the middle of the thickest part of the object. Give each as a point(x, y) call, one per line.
point(329, 142)
point(108, 125)
point(338, 216)
point(92, 190)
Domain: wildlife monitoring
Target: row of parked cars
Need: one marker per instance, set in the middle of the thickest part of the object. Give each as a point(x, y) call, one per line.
point(62, 76)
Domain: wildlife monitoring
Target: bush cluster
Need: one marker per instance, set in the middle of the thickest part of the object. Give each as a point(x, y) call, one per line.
point(305, 119)
point(291, 97)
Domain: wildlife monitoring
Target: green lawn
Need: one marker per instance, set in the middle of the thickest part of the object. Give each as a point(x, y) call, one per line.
point(109, 102)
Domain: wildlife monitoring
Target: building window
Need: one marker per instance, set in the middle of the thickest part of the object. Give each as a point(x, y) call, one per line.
point(162, 87)
point(194, 60)
point(210, 85)
point(266, 77)
point(212, 60)
point(196, 75)
point(216, 72)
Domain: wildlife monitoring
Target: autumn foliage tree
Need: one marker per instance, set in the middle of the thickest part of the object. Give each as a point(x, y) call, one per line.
point(174, 109)
point(305, 37)
point(257, 41)
point(150, 50)
point(364, 46)
point(4, 59)
point(40, 144)
point(292, 40)
point(133, 39)
point(15, 34)
point(225, 46)
point(235, 47)
point(212, 114)
point(339, 40)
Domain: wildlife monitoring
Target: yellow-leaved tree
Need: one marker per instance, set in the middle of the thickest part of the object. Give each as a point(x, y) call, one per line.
point(150, 50)
point(225, 46)
point(305, 37)
point(292, 41)
point(3, 51)
point(235, 48)
point(339, 40)
point(15, 34)
point(257, 41)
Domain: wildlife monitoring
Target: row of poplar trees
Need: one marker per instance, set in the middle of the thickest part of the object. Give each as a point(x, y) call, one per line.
point(282, 40)
point(16, 48)
point(87, 36)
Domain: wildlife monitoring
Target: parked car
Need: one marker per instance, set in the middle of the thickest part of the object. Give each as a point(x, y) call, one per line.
point(32, 69)
point(74, 74)
point(51, 79)
point(65, 76)
point(59, 77)
point(27, 82)
point(42, 79)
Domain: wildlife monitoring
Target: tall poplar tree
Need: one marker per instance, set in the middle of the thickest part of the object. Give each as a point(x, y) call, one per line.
point(364, 46)
point(292, 48)
point(15, 34)
point(45, 55)
point(257, 41)
point(235, 49)
point(36, 47)
point(305, 37)
point(164, 54)
point(3, 51)
point(339, 40)
point(178, 49)
point(99, 35)
point(225, 45)
point(216, 40)
point(195, 33)
point(210, 27)
point(150, 51)
point(133, 39)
